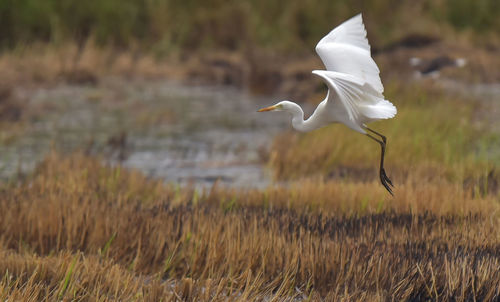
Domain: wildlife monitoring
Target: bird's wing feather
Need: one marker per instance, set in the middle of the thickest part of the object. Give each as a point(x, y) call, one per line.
point(354, 93)
point(345, 49)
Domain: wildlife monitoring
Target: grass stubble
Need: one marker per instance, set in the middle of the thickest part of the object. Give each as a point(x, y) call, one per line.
point(77, 229)
point(80, 230)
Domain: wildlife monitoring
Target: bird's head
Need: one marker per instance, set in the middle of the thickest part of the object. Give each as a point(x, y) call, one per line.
point(281, 106)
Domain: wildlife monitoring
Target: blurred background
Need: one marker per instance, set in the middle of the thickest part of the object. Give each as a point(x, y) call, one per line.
point(171, 88)
point(134, 165)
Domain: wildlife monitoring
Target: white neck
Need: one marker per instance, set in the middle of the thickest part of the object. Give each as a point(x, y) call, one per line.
point(298, 122)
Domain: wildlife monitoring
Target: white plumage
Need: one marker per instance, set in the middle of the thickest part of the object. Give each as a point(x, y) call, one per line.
point(345, 49)
point(352, 75)
point(355, 91)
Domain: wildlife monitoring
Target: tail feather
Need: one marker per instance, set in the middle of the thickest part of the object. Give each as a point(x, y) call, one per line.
point(381, 110)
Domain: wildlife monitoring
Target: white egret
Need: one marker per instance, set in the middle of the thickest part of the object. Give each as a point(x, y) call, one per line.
point(355, 90)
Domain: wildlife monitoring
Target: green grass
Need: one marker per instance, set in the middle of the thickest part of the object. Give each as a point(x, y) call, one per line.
point(163, 26)
point(480, 15)
point(68, 277)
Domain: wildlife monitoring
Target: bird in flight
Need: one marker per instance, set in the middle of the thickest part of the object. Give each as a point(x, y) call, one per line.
point(355, 91)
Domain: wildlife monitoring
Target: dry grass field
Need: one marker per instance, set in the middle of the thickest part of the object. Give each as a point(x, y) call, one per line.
point(82, 231)
point(77, 229)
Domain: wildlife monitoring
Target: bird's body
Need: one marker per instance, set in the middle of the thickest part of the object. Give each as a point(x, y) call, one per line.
point(355, 91)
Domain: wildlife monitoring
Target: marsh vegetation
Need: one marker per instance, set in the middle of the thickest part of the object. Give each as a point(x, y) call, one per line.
point(83, 231)
point(126, 176)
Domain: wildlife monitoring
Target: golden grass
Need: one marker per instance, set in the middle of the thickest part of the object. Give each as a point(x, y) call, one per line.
point(79, 230)
point(433, 135)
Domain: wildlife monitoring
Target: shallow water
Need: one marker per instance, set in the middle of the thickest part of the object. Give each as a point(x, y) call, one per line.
point(180, 134)
point(196, 135)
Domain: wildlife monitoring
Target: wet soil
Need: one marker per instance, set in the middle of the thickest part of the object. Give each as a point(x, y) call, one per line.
point(181, 134)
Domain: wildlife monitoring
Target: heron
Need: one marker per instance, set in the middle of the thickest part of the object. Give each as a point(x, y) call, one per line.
point(355, 91)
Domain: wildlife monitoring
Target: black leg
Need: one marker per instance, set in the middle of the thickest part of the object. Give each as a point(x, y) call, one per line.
point(384, 179)
point(383, 153)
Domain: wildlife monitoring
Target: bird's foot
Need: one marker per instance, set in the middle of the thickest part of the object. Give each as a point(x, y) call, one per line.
point(386, 182)
point(386, 177)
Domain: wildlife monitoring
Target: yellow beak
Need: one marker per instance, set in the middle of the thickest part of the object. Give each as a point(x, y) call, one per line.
point(270, 108)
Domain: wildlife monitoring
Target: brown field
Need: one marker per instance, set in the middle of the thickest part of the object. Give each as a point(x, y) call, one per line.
point(258, 70)
point(80, 230)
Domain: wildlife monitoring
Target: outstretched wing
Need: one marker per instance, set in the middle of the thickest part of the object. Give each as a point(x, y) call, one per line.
point(356, 95)
point(345, 49)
